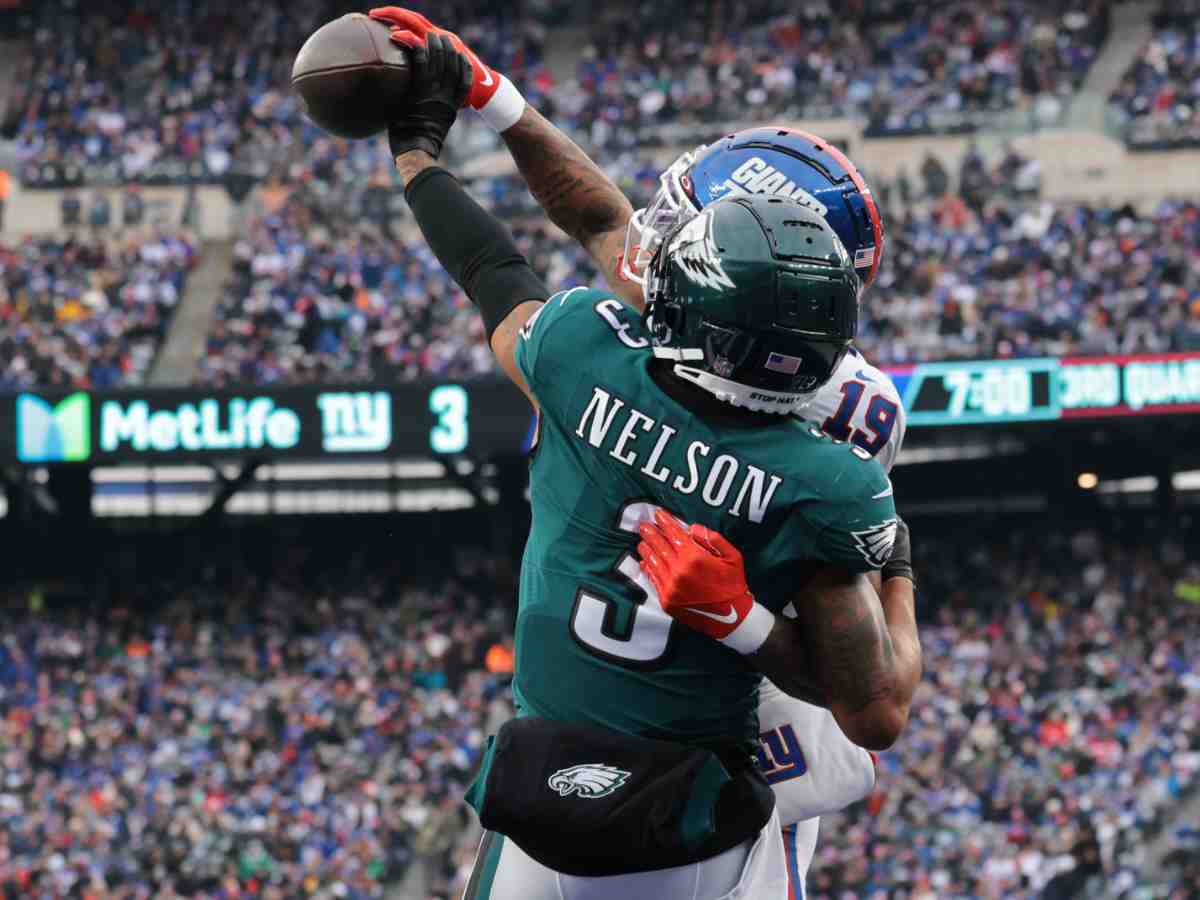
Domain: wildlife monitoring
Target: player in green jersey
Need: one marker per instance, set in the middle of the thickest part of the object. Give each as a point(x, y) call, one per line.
point(752, 305)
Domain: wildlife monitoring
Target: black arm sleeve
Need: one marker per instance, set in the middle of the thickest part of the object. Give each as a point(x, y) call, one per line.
point(473, 245)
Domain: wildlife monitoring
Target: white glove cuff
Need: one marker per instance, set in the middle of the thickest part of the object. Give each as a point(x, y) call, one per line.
point(752, 632)
point(505, 108)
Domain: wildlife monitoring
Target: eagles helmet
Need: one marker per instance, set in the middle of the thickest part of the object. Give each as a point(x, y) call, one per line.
point(771, 160)
point(756, 301)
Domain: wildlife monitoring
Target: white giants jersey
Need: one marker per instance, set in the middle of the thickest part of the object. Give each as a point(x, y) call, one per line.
point(860, 404)
point(811, 765)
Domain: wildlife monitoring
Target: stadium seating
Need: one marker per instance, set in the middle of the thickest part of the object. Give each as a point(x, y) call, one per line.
point(1161, 91)
point(319, 295)
point(88, 311)
point(209, 79)
point(906, 67)
point(1012, 280)
point(1056, 725)
point(197, 89)
point(1007, 279)
point(309, 723)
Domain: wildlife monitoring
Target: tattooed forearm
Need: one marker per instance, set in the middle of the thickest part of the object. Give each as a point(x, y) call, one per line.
point(839, 653)
point(577, 196)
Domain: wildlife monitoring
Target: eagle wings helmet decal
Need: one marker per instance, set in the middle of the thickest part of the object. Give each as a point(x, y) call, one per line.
point(588, 780)
point(696, 253)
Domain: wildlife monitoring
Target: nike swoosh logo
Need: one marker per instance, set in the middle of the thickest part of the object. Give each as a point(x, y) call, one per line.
point(886, 492)
point(726, 620)
point(860, 374)
point(487, 73)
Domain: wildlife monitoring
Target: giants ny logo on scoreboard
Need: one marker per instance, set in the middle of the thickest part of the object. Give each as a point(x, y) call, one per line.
point(355, 421)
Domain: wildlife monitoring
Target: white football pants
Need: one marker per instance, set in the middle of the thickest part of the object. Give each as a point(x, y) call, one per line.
point(755, 870)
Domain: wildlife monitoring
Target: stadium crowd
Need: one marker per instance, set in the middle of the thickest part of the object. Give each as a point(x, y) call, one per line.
point(992, 277)
point(305, 727)
point(907, 67)
point(299, 732)
point(1160, 94)
point(199, 87)
point(1009, 279)
point(88, 310)
point(1055, 730)
point(318, 294)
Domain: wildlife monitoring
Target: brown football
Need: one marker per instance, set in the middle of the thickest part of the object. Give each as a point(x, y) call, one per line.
point(351, 78)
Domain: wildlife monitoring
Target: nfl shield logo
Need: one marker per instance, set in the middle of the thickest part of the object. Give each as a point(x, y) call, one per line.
point(722, 367)
point(781, 362)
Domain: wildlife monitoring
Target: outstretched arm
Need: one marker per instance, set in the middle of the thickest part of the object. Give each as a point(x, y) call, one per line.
point(577, 196)
point(478, 252)
point(472, 245)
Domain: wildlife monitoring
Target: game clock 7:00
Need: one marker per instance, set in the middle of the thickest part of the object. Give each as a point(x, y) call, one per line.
point(1029, 390)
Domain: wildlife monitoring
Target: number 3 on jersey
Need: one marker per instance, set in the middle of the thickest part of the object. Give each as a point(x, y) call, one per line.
point(643, 638)
point(880, 419)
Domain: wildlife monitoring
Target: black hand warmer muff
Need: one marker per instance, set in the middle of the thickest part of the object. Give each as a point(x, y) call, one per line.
point(591, 802)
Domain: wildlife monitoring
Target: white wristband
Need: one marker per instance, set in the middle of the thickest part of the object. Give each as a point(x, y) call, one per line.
point(505, 108)
point(752, 632)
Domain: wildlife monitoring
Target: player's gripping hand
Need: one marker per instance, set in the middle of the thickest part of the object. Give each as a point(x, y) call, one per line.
point(701, 582)
point(491, 94)
point(441, 77)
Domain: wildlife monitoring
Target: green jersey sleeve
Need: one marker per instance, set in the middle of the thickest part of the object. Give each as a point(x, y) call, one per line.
point(561, 341)
point(856, 530)
point(848, 517)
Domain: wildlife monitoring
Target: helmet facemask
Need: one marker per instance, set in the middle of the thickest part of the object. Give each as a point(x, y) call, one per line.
point(670, 207)
point(798, 314)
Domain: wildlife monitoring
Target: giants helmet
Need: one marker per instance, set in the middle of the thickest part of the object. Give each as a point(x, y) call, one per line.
point(755, 299)
point(775, 161)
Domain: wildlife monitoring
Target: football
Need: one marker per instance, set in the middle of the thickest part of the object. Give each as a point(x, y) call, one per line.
point(351, 78)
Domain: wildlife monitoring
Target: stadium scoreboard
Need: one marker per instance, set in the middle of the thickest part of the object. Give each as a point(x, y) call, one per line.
point(490, 417)
point(1031, 390)
point(161, 425)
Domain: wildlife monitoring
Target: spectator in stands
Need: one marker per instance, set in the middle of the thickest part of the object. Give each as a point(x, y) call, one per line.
point(133, 208)
point(5, 189)
point(1160, 94)
point(87, 313)
point(100, 212)
point(302, 727)
point(70, 209)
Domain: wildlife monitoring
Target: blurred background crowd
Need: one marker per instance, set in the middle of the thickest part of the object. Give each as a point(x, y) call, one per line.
point(290, 713)
point(88, 310)
point(286, 716)
point(326, 280)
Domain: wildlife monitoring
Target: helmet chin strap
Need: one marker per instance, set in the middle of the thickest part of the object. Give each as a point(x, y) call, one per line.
point(756, 399)
point(679, 354)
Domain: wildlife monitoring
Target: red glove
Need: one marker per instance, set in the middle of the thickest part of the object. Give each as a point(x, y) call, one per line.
point(701, 582)
point(409, 29)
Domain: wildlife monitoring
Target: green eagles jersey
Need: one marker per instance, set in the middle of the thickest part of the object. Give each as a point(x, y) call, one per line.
point(593, 644)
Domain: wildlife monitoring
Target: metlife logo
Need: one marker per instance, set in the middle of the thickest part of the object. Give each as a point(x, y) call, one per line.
point(210, 424)
point(59, 433)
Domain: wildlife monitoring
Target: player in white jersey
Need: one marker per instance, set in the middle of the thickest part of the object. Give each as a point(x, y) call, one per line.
point(813, 768)
point(860, 404)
